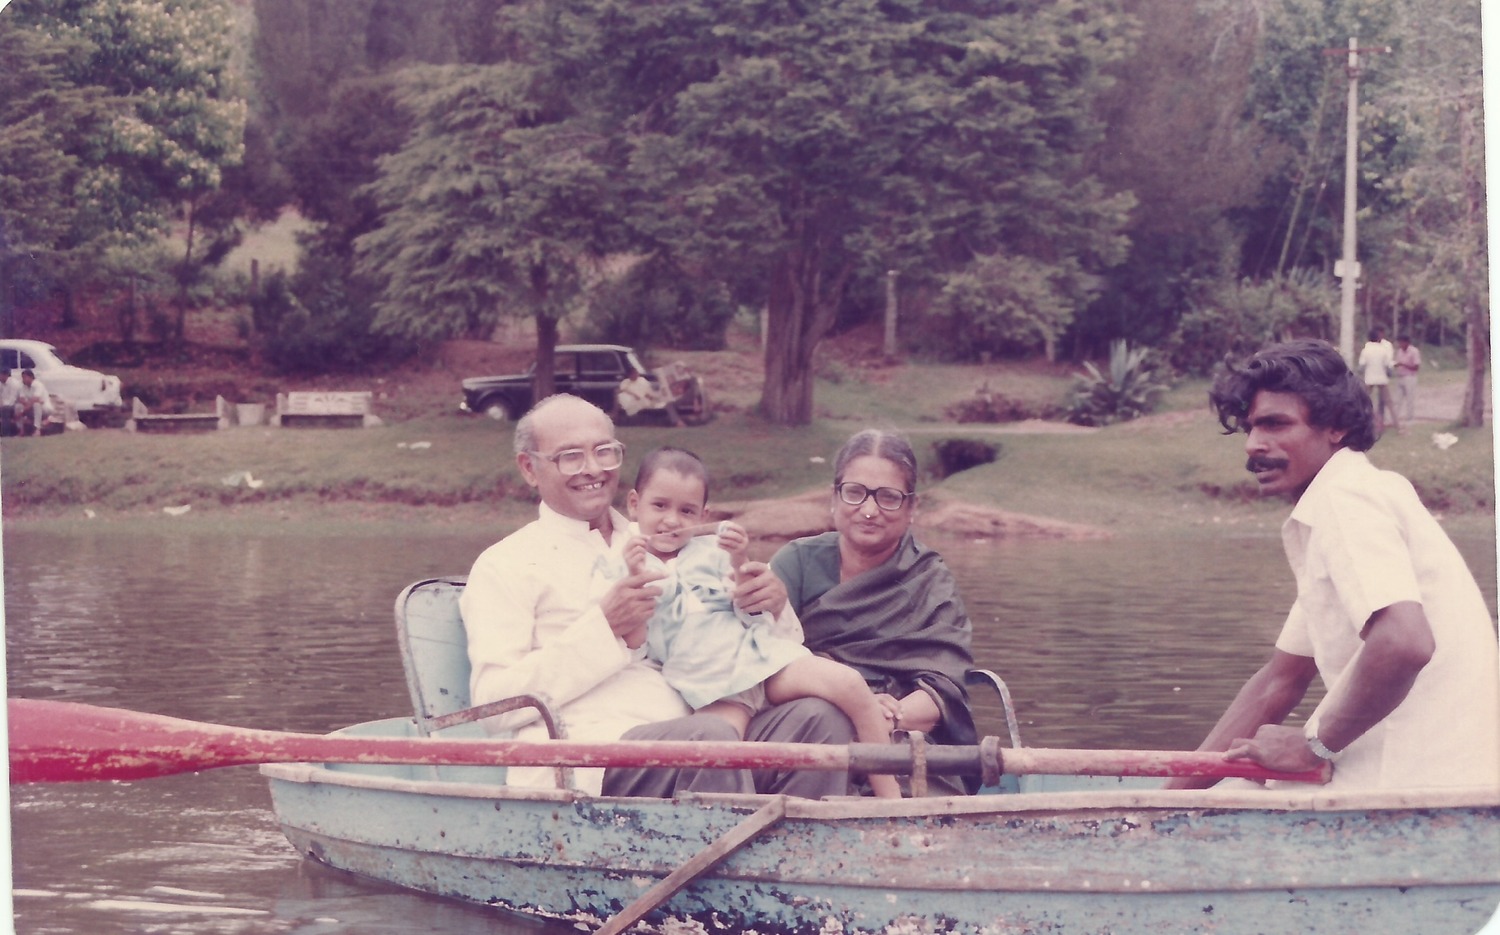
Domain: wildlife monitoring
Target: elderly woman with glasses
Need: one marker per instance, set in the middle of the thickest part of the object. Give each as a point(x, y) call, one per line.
point(872, 597)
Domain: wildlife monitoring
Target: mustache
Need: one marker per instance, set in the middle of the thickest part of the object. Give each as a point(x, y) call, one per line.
point(1255, 465)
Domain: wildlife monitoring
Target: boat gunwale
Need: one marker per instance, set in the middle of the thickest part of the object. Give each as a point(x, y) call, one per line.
point(854, 807)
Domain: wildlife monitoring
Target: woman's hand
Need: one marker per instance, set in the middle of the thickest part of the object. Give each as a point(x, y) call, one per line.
point(890, 706)
point(919, 712)
point(757, 589)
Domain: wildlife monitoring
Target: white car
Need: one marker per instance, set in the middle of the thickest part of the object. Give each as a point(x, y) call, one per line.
point(86, 391)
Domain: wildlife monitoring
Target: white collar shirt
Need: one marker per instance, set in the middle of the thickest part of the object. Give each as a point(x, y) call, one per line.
point(531, 611)
point(1358, 541)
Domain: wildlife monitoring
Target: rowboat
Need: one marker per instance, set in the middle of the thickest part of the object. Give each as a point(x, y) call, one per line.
point(1096, 860)
point(1057, 842)
point(1038, 853)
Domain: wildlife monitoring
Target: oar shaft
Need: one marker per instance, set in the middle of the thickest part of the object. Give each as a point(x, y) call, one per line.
point(55, 741)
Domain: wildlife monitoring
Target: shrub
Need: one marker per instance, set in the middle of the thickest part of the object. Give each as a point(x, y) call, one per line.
point(1238, 318)
point(318, 320)
point(990, 407)
point(658, 304)
point(1129, 390)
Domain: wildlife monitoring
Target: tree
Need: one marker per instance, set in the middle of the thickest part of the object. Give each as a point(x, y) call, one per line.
point(501, 201)
point(1436, 236)
point(133, 99)
point(1178, 138)
point(42, 169)
point(818, 143)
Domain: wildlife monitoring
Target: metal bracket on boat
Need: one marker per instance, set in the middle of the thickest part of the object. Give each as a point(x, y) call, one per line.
point(918, 742)
point(539, 700)
point(989, 761)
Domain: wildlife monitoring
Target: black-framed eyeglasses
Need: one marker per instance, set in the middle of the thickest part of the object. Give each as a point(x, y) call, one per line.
point(570, 461)
point(887, 498)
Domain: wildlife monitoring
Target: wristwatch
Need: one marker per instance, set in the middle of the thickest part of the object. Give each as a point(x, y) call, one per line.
point(1319, 749)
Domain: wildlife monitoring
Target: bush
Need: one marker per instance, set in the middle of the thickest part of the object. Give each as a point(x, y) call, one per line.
point(990, 407)
point(1129, 390)
point(658, 304)
point(318, 321)
point(1239, 318)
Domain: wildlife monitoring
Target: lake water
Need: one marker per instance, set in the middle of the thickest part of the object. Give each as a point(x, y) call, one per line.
point(1125, 643)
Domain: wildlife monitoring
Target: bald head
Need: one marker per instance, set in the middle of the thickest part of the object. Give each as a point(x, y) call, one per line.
point(556, 407)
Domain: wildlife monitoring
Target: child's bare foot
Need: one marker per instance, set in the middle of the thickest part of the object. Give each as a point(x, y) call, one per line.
point(885, 787)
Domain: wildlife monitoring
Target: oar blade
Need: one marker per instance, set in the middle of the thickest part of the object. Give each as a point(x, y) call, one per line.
point(60, 741)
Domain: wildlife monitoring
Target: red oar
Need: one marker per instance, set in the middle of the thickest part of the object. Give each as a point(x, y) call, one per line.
point(59, 741)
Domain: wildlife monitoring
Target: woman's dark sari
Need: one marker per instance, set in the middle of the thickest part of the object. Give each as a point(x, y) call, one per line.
point(902, 625)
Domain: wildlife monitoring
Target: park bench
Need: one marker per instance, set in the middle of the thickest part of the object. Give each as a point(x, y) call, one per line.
point(324, 409)
point(144, 420)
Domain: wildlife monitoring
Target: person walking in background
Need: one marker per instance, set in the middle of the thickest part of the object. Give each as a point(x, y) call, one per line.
point(1376, 361)
point(1387, 615)
point(1408, 362)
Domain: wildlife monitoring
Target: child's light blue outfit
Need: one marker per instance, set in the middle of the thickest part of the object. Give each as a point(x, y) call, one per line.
point(709, 649)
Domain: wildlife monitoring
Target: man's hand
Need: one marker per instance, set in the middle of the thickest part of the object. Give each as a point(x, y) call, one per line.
point(629, 604)
point(757, 589)
point(1275, 746)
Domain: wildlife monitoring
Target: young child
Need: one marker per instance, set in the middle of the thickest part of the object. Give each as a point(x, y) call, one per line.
point(720, 659)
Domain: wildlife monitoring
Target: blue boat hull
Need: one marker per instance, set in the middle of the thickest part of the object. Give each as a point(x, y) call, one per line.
point(1100, 861)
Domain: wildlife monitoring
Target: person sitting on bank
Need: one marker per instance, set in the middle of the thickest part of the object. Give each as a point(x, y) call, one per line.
point(535, 625)
point(636, 393)
point(1387, 614)
point(10, 390)
point(33, 405)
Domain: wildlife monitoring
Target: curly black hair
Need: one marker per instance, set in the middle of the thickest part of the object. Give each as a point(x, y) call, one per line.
point(1312, 370)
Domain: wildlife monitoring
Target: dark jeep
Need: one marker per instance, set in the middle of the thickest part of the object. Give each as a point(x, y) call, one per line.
point(592, 371)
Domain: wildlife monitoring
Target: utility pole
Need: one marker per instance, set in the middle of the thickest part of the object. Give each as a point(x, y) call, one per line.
point(1347, 269)
point(890, 313)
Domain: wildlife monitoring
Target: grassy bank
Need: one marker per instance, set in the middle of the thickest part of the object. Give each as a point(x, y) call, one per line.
point(1170, 472)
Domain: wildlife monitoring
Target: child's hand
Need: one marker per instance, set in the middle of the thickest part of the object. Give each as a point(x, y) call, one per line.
point(635, 554)
point(734, 540)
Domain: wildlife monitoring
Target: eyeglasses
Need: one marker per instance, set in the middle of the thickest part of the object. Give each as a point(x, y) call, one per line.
point(570, 461)
point(887, 498)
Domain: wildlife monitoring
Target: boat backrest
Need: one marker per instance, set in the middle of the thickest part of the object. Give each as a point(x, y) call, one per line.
point(435, 655)
point(434, 647)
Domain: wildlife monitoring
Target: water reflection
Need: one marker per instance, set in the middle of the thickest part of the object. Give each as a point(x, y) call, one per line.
point(1104, 644)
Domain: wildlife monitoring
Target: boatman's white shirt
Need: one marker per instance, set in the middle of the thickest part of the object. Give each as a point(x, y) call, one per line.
point(534, 625)
point(1359, 540)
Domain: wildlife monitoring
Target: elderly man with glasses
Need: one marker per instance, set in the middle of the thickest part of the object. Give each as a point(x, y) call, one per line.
point(540, 621)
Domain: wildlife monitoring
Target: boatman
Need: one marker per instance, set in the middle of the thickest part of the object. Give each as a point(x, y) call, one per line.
point(1387, 615)
point(534, 626)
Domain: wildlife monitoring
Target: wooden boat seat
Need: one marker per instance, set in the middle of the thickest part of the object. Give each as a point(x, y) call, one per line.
point(435, 657)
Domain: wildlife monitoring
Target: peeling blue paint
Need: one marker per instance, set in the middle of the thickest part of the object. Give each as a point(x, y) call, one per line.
point(1020, 863)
